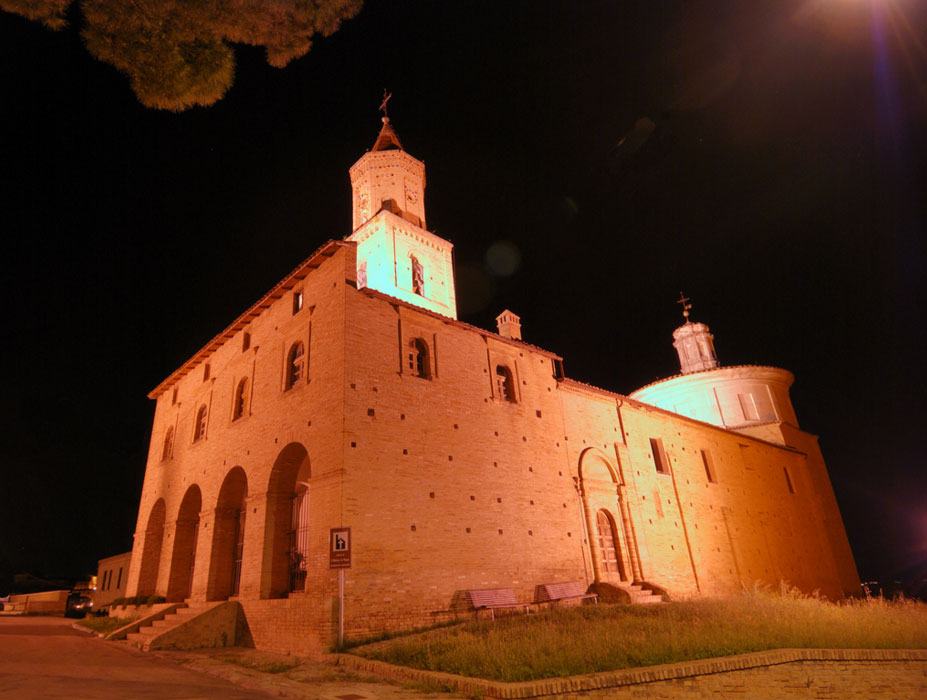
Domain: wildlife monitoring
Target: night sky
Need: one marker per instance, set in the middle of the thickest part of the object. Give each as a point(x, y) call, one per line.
point(772, 167)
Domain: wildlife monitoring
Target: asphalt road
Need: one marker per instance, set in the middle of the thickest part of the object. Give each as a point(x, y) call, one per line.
point(45, 657)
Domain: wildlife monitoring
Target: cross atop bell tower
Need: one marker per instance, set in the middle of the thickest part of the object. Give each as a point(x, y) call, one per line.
point(396, 253)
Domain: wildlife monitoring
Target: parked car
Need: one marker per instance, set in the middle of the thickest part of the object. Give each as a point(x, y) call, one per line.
point(78, 604)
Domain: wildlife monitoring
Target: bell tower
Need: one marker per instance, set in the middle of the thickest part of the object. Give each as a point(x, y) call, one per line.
point(396, 254)
point(386, 177)
point(694, 344)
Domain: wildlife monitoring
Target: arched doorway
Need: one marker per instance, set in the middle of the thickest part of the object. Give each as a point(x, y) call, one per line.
point(599, 487)
point(151, 550)
point(183, 558)
point(609, 553)
point(228, 537)
point(286, 536)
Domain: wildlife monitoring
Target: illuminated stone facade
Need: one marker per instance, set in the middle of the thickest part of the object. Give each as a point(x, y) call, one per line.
point(461, 458)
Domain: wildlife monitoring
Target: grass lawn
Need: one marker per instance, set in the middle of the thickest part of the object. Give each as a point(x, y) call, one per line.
point(592, 638)
point(105, 625)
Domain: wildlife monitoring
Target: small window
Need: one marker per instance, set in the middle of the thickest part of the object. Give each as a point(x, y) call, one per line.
point(748, 404)
point(418, 276)
point(295, 364)
point(297, 302)
point(167, 451)
point(206, 372)
point(245, 341)
point(505, 384)
point(709, 467)
point(417, 358)
point(199, 429)
point(118, 580)
point(659, 456)
point(241, 399)
point(174, 397)
point(788, 479)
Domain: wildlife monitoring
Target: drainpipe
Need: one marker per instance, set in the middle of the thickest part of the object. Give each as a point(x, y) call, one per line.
point(630, 537)
point(637, 575)
point(682, 519)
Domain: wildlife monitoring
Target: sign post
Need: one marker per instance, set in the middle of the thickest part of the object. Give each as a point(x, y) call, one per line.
point(339, 557)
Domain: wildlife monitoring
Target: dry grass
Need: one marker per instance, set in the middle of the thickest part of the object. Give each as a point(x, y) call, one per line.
point(105, 625)
point(589, 639)
point(262, 665)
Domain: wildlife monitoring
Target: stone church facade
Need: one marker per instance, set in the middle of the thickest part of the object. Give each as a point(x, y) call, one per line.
point(351, 396)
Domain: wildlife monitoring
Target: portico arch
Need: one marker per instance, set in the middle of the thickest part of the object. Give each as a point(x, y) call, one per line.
point(151, 550)
point(183, 558)
point(287, 526)
point(228, 537)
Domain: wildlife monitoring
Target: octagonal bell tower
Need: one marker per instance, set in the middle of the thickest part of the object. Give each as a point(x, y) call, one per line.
point(396, 254)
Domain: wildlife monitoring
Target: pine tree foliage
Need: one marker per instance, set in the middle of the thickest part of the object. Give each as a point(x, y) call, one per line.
point(177, 53)
point(48, 12)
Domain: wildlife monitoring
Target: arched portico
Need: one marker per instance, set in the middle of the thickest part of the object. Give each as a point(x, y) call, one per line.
point(228, 537)
point(286, 532)
point(151, 550)
point(183, 558)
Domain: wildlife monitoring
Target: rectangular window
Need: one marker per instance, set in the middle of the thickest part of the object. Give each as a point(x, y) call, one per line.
point(174, 397)
point(297, 302)
point(709, 467)
point(659, 456)
point(788, 479)
point(119, 579)
point(245, 341)
point(206, 372)
point(748, 405)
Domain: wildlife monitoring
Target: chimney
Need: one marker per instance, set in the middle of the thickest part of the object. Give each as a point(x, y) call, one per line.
point(509, 325)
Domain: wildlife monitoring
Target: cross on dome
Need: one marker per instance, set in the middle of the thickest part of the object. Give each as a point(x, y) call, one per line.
point(387, 138)
point(686, 306)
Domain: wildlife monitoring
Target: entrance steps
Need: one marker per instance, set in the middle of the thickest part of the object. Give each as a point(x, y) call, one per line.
point(627, 593)
point(193, 626)
point(641, 595)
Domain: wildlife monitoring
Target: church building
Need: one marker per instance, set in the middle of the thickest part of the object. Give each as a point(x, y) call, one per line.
point(350, 396)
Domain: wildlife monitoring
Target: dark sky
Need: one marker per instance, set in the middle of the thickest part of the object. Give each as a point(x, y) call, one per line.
point(772, 168)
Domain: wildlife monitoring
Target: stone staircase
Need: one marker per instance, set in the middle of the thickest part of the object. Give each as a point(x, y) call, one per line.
point(640, 595)
point(148, 633)
point(627, 593)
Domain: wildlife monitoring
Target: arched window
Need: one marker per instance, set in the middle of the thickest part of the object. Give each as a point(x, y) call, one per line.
point(295, 364)
point(505, 384)
point(241, 399)
point(199, 428)
point(418, 361)
point(607, 547)
point(168, 450)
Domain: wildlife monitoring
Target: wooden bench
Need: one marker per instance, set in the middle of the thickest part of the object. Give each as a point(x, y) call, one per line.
point(492, 598)
point(570, 590)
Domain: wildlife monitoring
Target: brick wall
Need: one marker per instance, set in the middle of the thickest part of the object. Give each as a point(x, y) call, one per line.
point(446, 483)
